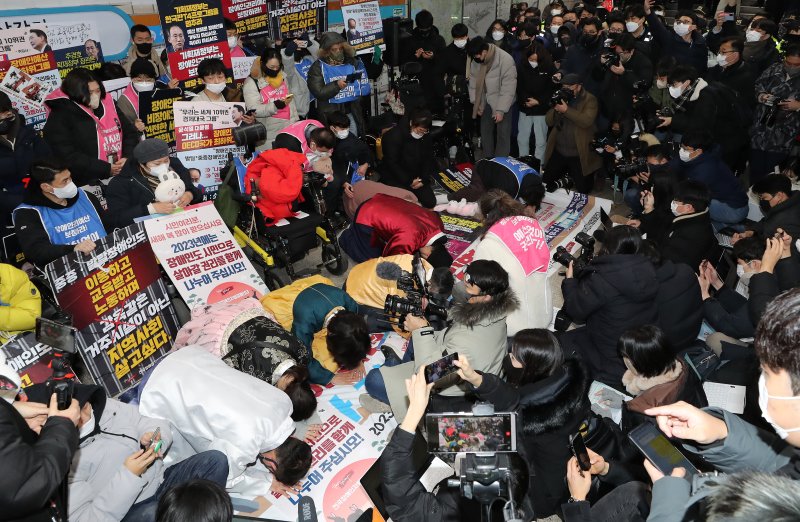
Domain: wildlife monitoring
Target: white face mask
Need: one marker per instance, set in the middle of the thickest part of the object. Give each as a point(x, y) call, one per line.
point(680, 29)
point(144, 86)
point(416, 135)
point(216, 88)
point(674, 208)
point(160, 170)
point(94, 101)
point(685, 155)
point(722, 60)
point(460, 43)
point(631, 26)
point(88, 427)
point(232, 41)
point(661, 84)
point(70, 190)
point(195, 184)
point(752, 35)
point(763, 399)
point(675, 92)
point(498, 35)
point(659, 13)
point(534, 64)
point(554, 29)
point(342, 134)
point(555, 12)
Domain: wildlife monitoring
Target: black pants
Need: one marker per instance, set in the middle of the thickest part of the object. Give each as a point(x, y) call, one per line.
point(425, 196)
point(558, 165)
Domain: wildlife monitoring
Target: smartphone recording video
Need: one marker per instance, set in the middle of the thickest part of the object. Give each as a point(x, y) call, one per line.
point(59, 336)
point(441, 368)
point(470, 433)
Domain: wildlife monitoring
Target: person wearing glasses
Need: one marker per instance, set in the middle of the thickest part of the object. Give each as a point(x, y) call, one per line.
point(408, 160)
point(684, 42)
point(734, 72)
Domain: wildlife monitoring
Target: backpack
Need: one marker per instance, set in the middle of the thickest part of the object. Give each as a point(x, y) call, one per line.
point(731, 106)
point(225, 203)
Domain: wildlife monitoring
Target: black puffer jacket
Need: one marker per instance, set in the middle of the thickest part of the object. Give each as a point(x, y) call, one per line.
point(406, 158)
point(15, 161)
point(784, 215)
point(534, 83)
point(680, 306)
point(691, 240)
point(619, 293)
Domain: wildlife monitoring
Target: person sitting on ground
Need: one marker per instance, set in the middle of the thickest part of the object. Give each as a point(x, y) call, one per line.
point(386, 226)
point(143, 80)
point(56, 217)
point(655, 375)
point(215, 407)
point(215, 87)
point(132, 194)
point(197, 500)
point(691, 237)
point(526, 259)
point(780, 271)
point(20, 302)
point(780, 206)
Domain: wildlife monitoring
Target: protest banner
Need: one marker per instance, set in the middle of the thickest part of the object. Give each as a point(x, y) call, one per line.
point(242, 66)
point(350, 442)
point(293, 19)
point(29, 358)
point(16, 43)
point(120, 306)
point(201, 257)
point(363, 24)
point(453, 180)
point(460, 232)
point(204, 138)
point(27, 81)
point(156, 111)
point(193, 31)
point(250, 16)
point(75, 45)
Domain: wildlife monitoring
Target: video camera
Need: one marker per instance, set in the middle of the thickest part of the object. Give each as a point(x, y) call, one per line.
point(580, 263)
point(414, 284)
point(61, 338)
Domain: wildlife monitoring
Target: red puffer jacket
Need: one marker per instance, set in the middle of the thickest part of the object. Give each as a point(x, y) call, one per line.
point(398, 226)
point(279, 175)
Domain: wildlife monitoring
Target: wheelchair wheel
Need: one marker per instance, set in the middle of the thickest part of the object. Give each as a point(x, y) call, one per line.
point(273, 280)
point(334, 261)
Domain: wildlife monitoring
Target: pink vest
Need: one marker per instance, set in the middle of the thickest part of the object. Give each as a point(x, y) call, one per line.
point(524, 237)
point(109, 128)
point(132, 96)
point(270, 94)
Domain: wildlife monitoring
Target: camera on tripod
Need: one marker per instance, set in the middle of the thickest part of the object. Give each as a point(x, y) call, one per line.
point(61, 338)
point(580, 263)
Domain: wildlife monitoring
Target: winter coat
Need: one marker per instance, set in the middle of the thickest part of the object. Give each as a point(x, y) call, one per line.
point(680, 314)
point(454, 61)
point(709, 169)
point(691, 240)
point(534, 83)
point(727, 313)
point(265, 112)
point(72, 136)
point(656, 225)
point(745, 448)
point(765, 286)
point(154, 58)
point(740, 77)
point(347, 151)
point(129, 193)
point(279, 175)
point(760, 55)
point(406, 158)
point(785, 216)
point(694, 52)
point(699, 112)
point(324, 92)
point(34, 467)
point(617, 294)
point(501, 82)
point(101, 488)
point(582, 113)
point(617, 90)
point(251, 417)
point(15, 160)
point(32, 234)
point(584, 61)
point(365, 190)
point(20, 302)
point(367, 288)
point(431, 78)
point(781, 135)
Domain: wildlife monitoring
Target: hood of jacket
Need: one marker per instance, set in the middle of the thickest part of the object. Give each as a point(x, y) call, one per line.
point(484, 312)
point(548, 404)
point(349, 53)
point(631, 275)
point(701, 84)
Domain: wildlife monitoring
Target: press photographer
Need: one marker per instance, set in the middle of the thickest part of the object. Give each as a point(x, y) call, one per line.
point(623, 67)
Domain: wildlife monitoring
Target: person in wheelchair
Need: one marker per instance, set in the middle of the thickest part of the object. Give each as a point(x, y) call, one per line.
point(56, 217)
point(277, 176)
point(311, 138)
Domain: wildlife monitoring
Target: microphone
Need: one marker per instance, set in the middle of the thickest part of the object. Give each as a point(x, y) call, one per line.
point(306, 510)
point(389, 270)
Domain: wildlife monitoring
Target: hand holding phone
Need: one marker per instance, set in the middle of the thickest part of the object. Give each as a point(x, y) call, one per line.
point(353, 77)
point(659, 451)
point(441, 368)
point(578, 448)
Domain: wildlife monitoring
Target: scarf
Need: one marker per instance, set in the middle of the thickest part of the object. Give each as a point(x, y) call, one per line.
point(276, 81)
point(636, 384)
point(152, 181)
point(480, 84)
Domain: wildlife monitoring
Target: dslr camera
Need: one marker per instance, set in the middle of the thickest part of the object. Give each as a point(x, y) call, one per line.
point(563, 95)
point(581, 263)
point(609, 59)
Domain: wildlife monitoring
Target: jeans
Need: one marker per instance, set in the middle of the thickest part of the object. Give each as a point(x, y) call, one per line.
point(524, 135)
point(495, 137)
point(374, 384)
point(631, 197)
point(209, 465)
point(723, 215)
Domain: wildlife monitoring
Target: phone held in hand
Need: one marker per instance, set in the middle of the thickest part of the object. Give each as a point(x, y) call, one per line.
point(655, 446)
point(578, 448)
point(441, 368)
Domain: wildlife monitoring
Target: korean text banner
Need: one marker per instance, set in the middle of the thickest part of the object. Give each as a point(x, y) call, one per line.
point(363, 24)
point(120, 306)
point(201, 257)
point(29, 358)
point(27, 81)
point(250, 16)
point(290, 19)
point(75, 45)
point(193, 32)
point(156, 111)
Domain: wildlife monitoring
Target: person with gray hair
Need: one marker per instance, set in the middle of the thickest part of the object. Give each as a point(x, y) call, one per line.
point(754, 496)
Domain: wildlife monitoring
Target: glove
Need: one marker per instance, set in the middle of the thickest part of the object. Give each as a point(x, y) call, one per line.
point(279, 104)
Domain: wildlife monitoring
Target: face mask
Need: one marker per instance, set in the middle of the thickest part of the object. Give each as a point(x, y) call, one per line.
point(764, 206)
point(477, 60)
point(94, 101)
point(675, 92)
point(752, 36)
point(674, 208)
point(460, 43)
point(271, 73)
point(661, 84)
point(763, 399)
point(144, 86)
point(685, 155)
point(659, 13)
point(497, 35)
point(144, 48)
point(216, 88)
point(534, 64)
point(588, 41)
point(680, 29)
point(556, 12)
point(195, 184)
point(554, 29)
point(722, 60)
point(232, 41)
point(159, 170)
point(416, 135)
point(342, 134)
point(88, 427)
point(338, 57)
point(67, 192)
point(631, 26)
point(5, 125)
point(513, 374)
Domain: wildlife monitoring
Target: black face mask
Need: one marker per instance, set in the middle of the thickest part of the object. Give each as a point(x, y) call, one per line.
point(144, 48)
point(513, 374)
point(477, 60)
point(6, 124)
point(588, 41)
point(271, 73)
point(764, 205)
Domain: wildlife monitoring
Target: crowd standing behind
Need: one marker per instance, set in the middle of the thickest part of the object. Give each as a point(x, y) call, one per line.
point(693, 118)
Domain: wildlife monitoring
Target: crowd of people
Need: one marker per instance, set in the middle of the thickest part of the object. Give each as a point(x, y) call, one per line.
point(696, 123)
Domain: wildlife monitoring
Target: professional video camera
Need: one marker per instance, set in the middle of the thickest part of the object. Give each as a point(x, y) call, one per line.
point(580, 263)
point(60, 337)
point(563, 95)
point(414, 284)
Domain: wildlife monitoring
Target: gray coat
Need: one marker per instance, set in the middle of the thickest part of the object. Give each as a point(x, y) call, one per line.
point(501, 81)
point(100, 487)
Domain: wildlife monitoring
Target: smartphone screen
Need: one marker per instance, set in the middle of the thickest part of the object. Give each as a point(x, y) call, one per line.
point(579, 450)
point(441, 368)
point(469, 433)
point(659, 450)
point(59, 336)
